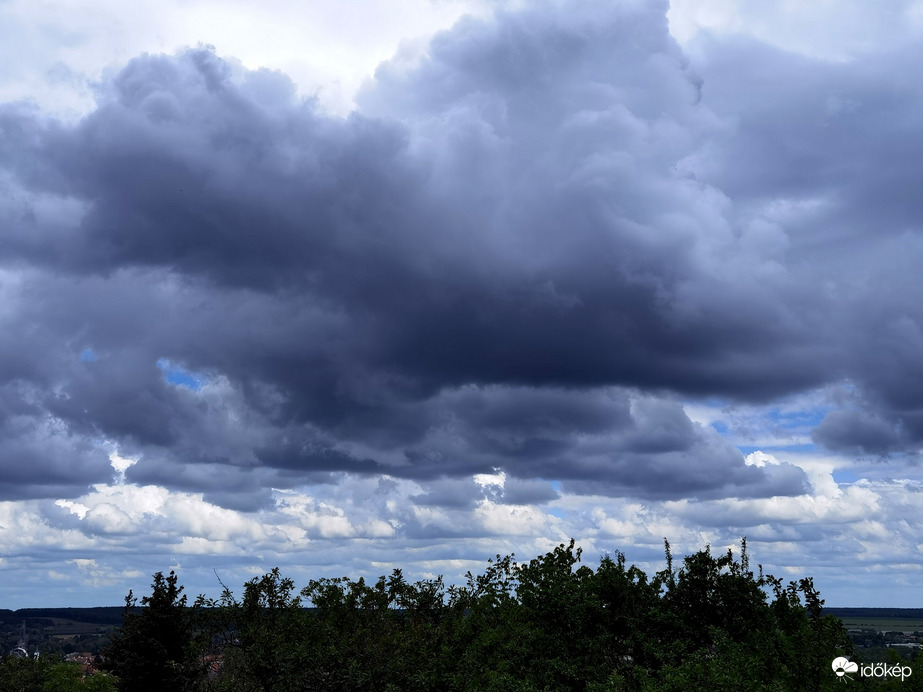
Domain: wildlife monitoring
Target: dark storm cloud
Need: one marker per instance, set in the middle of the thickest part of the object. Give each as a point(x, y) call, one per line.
point(513, 256)
point(853, 431)
point(460, 494)
point(841, 133)
point(832, 151)
point(607, 442)
point(525, 491)
point(41, 458)
point(465, 493)
point(420, 227)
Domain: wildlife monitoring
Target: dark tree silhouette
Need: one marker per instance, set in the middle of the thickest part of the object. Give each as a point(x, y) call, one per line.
point(546, 624)
point(154, 648)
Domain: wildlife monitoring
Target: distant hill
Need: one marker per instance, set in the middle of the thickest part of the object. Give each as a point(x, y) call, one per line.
point(108, 615)
point(59, 630)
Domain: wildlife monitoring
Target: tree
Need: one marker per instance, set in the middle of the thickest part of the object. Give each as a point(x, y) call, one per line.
point(546, 624)
point(154, 649)
point(50, 674)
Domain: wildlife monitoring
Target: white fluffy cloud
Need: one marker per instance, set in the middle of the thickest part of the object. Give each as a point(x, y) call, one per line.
point(368, 527)
point(53, 52)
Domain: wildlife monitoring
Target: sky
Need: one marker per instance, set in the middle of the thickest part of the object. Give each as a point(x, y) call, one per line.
point(345, 287)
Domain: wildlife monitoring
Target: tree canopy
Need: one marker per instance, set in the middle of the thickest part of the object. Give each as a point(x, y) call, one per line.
point(547, 624)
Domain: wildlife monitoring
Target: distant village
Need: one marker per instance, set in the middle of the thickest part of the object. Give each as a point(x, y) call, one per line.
point(867, 638)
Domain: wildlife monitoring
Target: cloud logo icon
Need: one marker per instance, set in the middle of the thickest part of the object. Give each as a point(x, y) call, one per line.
point(842, 665)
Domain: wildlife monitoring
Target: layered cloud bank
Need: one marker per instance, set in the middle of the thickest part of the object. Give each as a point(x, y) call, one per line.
point(554, 276)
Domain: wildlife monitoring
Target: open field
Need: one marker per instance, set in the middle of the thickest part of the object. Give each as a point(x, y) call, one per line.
point(884, 624)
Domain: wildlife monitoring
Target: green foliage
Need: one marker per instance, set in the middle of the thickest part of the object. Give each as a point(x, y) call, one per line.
point(547, 624)
point(267, 651)
point(50, 674)
point(154, 647)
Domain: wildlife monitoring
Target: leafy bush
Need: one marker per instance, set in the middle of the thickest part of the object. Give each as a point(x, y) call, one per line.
point(546, 624)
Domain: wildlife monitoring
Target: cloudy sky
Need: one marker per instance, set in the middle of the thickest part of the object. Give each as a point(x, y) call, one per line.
point(342, 287)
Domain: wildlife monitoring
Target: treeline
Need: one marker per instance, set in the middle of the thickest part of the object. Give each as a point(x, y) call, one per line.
point(549, 624)
point(101, 616)
point(709, 623)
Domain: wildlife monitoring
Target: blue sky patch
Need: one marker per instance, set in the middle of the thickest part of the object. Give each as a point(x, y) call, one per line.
point(179, 376)
point(844, 476)
point(808, 418)
point(749, 449)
